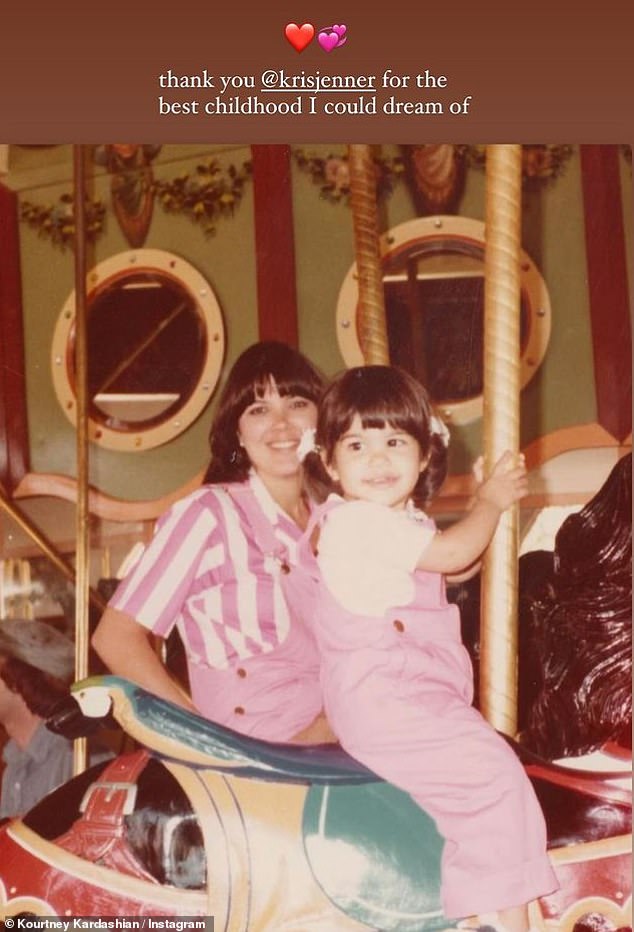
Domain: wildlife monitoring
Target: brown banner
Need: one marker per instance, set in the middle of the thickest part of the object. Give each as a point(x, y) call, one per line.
point(405, 72)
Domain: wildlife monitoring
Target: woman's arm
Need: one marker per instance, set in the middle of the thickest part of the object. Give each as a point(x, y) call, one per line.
point(123, 645)
point(462, 544)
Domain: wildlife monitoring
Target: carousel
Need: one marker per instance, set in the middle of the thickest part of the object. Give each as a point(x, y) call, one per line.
point(196, 820)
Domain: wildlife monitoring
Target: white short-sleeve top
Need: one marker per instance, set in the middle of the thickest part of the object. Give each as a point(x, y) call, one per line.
point(368, 541)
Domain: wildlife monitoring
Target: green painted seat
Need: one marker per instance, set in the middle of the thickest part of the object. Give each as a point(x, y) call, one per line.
point(171, 731)
point(376, 855)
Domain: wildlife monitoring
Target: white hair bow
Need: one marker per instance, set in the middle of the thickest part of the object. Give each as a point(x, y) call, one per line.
point(439, 428)
point(306, 444)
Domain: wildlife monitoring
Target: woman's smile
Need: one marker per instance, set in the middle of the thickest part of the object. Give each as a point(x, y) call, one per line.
point(270, 430)
point(284, 444)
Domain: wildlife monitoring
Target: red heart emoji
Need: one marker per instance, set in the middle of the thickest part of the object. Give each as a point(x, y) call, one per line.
point(299, 36)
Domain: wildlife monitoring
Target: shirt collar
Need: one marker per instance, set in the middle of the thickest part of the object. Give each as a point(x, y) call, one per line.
point(276, 515)
point(264, 498)
point(38, 747)
point(411, 510)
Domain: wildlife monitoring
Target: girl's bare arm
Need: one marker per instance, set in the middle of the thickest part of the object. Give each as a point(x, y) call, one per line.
point(458, 547)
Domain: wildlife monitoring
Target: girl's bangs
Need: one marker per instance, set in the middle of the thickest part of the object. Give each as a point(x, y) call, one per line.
point(376, 412)
point(379, 413)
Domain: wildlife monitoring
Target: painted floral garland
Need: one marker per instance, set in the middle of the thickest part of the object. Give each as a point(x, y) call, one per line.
point(540, 163)
point(203, 198)
point(206, 196)
point(57, 222)
point(332, 174)
point(211, 193)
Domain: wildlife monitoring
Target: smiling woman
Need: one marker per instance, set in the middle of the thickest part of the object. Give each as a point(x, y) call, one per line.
point(223, 566)
point(270, 431)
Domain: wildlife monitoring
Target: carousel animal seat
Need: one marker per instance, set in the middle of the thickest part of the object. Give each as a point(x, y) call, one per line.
point(373, 852)
point(579, 805)
point(270, 836)
point(173, 732)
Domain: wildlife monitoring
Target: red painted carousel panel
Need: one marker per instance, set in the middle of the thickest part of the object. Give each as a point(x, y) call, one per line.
point(39, 877)
point(594, 877)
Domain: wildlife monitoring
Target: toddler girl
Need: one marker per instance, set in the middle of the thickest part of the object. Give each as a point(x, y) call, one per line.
point(396, 679)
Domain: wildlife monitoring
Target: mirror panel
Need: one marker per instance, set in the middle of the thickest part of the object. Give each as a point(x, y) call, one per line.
point(155, 348)
point(433, 276)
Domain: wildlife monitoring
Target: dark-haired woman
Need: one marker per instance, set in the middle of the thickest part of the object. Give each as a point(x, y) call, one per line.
point(222, 566)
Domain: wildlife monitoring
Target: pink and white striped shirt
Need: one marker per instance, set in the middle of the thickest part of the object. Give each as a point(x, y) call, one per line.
point(204, 572)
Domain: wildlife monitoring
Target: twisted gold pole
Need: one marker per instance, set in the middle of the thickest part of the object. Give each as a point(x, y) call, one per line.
point(499, 636)
point(371, 313)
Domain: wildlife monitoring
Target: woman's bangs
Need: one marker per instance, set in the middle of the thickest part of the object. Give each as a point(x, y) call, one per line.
point(296, 386)
point(290, 387)
point(288, 384)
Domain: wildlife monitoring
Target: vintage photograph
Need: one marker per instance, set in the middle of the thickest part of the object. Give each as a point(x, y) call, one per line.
point(315, 535)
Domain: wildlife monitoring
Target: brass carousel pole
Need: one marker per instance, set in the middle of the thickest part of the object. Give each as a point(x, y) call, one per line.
point(371, 313)
point(499, 629)
point(82, 531)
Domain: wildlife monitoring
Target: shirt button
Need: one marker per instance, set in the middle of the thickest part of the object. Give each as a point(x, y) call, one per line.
point(239, 710)
point(399, 626)
point(241, 672)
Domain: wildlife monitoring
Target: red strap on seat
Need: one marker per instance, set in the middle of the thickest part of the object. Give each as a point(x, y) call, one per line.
point(99, 834)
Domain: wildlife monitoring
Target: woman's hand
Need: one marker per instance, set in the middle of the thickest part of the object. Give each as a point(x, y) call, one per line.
point(507, 484)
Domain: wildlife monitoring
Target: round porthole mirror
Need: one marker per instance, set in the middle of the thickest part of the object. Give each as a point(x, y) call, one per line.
point(433, 280)
point(155, 345)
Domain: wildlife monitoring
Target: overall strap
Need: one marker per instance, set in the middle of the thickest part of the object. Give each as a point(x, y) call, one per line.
point(316, 516)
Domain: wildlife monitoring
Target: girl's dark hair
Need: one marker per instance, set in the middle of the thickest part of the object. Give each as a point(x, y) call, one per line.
point(248, 380)
point(384, 395)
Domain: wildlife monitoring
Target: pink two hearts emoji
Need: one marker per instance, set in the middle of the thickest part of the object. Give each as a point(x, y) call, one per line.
point(299, 36)
point(332, 37)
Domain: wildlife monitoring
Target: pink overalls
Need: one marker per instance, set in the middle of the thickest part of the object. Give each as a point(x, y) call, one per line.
point(273, 695)
point(397, 691)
